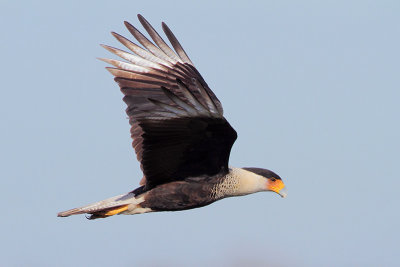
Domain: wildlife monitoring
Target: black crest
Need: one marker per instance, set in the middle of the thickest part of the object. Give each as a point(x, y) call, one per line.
point(263, 172)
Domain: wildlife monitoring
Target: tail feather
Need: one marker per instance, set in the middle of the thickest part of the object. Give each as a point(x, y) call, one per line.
point(104, 208)
point(107, 212)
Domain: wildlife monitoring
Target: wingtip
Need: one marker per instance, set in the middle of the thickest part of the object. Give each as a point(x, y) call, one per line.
point(110, 48)
point(111, 70)
point(127, 24)
point(164, 26)
point(101, 58)
point(143, 21)
point(106, 60)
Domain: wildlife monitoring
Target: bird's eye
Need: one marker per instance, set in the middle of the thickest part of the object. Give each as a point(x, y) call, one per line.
point(273, 179)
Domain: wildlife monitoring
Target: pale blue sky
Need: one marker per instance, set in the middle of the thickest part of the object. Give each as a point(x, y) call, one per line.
point(312, 89)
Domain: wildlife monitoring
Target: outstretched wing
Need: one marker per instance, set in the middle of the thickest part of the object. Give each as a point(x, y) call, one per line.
point(178, 128)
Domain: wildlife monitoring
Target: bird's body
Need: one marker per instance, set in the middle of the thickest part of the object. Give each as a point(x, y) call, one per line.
point(179, 133)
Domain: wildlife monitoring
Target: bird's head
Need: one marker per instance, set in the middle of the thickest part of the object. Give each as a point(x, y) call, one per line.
point(271, 181)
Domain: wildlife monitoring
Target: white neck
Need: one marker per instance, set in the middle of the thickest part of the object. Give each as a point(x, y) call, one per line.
point(248, 182)
point(239, 182)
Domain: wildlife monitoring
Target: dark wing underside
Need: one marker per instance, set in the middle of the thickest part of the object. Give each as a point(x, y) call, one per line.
point(183, 147)
point(178, 128)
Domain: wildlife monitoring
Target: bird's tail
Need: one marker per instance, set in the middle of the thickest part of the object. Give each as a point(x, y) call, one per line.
point(105, 208)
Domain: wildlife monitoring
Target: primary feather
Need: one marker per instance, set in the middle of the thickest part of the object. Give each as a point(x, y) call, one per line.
point(169, 102)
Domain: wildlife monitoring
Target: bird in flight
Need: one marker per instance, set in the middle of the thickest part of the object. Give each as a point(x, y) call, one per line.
point(180, 135)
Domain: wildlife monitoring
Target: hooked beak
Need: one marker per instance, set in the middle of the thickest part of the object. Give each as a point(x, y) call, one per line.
point(283, 192)
point(278, 187)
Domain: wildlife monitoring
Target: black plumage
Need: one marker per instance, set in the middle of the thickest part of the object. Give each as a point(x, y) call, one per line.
point(263, 172)
point(177, 122)
point(178, 148)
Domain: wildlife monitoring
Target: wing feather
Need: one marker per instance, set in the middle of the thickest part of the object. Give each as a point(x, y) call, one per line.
point(147, 44)
point(158, 40)
point(177, 46)
point(177, 122)
point(140, 51)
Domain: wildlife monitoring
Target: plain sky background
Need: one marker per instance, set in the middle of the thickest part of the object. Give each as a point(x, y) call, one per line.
point(312, 88)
